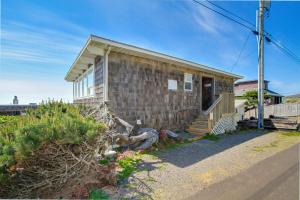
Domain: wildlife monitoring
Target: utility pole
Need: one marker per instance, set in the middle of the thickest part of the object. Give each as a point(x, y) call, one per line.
point(260, 89)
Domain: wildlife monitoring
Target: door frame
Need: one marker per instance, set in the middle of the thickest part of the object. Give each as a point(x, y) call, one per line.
point(213, 89)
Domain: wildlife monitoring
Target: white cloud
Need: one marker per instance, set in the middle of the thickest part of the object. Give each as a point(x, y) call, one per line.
point(210, 21)
point(29, 43)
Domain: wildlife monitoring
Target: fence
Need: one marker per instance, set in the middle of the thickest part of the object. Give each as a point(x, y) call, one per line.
point(279, 110)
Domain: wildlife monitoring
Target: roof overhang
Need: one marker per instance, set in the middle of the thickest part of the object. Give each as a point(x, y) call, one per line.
point(96, 46)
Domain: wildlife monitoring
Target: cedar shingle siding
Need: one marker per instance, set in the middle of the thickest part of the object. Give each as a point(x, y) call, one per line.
point(138, 89)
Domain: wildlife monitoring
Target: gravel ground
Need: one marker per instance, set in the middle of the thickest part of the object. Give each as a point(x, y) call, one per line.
point(181, 172)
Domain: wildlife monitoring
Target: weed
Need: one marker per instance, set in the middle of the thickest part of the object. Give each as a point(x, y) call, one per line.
point(264, 147)
point(104, 162)
point(98, 194)
point(128, 166)
point(211, 137)
point(291, 133)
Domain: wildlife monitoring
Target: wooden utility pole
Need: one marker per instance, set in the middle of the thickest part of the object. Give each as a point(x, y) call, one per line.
point(260, 89)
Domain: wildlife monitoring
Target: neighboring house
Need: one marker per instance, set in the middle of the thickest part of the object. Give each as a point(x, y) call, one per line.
point(159, 90)
point(241, 87)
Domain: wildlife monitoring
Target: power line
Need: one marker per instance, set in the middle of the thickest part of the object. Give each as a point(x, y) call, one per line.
point(233, 14)
point(286, 50)
point(240, 53)
point(268, 36)
point(230, 18)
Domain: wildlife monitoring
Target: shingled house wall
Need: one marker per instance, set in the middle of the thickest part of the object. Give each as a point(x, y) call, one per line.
point(138, 89)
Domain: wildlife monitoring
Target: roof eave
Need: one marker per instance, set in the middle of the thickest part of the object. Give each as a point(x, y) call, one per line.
point(132, 48)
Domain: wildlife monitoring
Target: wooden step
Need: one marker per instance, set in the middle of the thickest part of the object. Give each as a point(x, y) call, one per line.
point(202, 123)
point(199, 126)
point(200, 133)
point(198, 129)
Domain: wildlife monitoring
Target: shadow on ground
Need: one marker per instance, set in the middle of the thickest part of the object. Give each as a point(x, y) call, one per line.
point(189, 154)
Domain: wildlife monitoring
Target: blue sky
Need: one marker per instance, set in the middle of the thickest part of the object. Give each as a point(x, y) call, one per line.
point(40, 40)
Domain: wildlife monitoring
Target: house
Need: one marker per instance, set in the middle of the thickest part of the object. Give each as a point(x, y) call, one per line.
point(158, 90)
point(241, 87)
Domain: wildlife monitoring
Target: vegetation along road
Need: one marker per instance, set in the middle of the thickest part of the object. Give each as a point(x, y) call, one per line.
point(250, 164)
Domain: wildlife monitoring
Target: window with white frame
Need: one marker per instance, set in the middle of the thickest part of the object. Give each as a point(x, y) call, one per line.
point(188, 82)
point(75, 90)
point(172, 84)
point(90, 83)
point(84, 86)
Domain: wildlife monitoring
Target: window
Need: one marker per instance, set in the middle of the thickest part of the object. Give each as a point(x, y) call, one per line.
point(75, 89)
point(172, 84)
point(84, 86)
point(188, 82)
point(90, 83)
point(78, 89)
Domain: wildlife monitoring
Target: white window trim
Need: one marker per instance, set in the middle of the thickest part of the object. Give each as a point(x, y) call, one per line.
point(187, 82)
point(79, 79)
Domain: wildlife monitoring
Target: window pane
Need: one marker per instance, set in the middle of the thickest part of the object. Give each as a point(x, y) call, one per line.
point(75, 90)
point(82, 87)
point(188, 77)
point(188, 86)
point(78, 89)
point(91, 79)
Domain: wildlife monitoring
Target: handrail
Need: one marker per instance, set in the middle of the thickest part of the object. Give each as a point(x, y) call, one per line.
point(213, 105)
point(224, 104)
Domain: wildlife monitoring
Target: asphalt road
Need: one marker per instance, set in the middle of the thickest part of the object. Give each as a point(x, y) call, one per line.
point(276, 177)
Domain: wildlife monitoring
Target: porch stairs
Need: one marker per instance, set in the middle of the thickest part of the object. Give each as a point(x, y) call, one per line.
point(199, 126)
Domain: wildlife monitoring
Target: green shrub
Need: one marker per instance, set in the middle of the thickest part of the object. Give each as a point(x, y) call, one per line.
point(50, 122)
point(97, 194)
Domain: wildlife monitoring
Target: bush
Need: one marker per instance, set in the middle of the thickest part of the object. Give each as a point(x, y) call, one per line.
point(55, 122)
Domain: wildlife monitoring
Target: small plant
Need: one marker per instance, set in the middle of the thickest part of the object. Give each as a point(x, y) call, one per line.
point(291, 133)
point(128, 166)
point(267, 146)
point(211, 137)
point(104, 162)
point(96, 193)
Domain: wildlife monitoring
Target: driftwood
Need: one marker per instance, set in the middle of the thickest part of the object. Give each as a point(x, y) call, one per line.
point(134, 137)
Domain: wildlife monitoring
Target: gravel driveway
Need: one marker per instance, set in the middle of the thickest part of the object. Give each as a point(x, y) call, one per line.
point(181, 172)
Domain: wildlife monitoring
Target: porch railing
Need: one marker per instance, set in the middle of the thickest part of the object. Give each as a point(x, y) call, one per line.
point(224, 104)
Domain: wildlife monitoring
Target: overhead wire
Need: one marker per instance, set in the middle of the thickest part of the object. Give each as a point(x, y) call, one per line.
point(266, 35)
point(241, 52)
